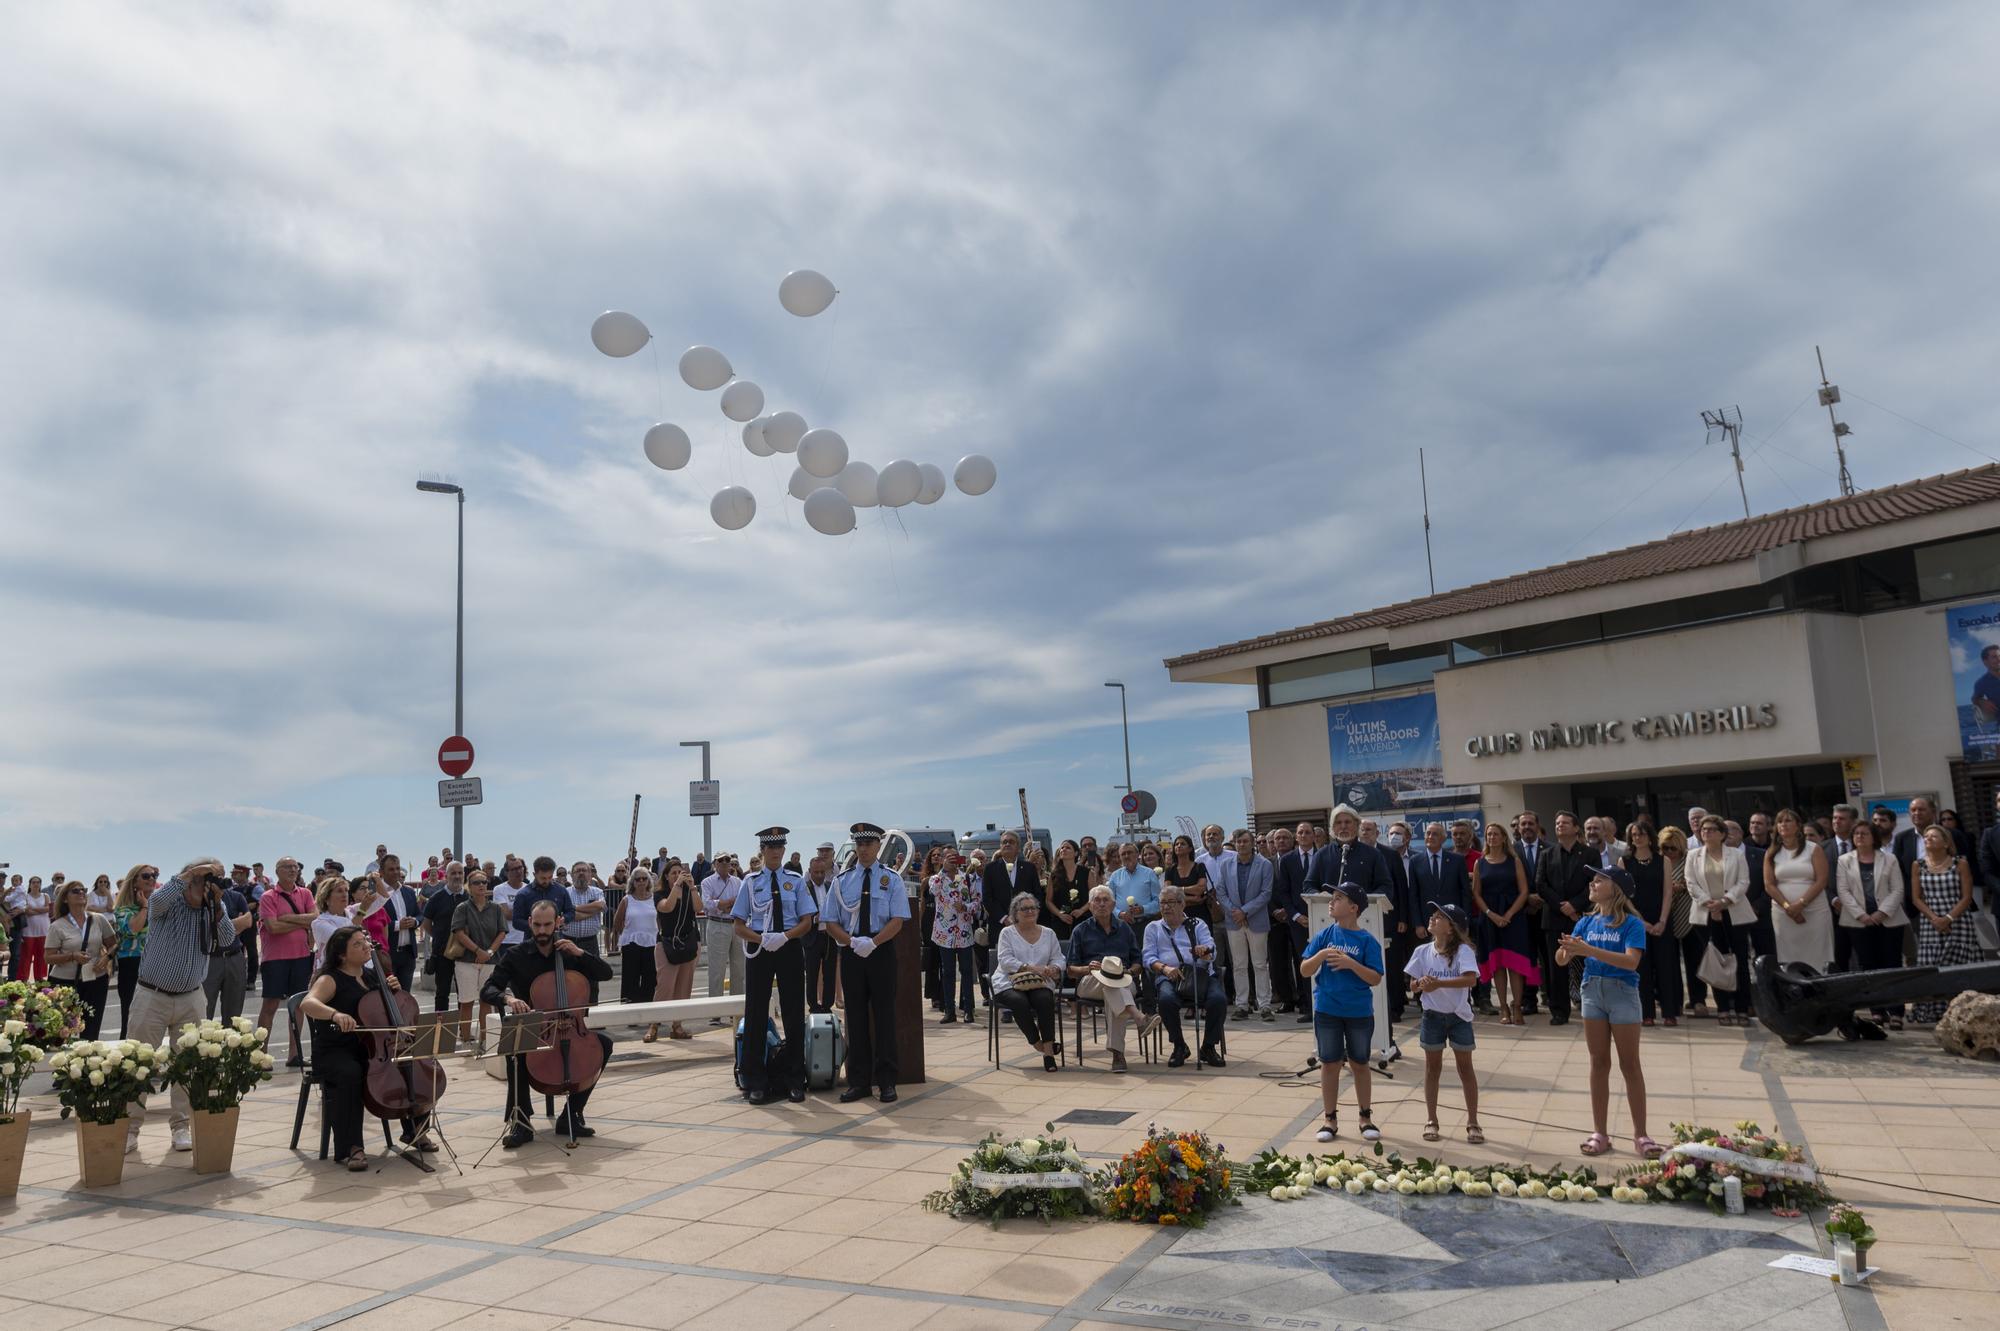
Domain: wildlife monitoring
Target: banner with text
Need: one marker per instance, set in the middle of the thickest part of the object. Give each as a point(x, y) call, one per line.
point(1972, 638)
point(1385, 754)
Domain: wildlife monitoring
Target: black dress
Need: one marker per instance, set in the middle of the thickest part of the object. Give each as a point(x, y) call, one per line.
point(340, 1063)
point(1069, 892)
point(1200, 907)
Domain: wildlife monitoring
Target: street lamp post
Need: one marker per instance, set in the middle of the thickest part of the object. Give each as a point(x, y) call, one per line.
point(458, 664)
point(1125, 723)
point(707, 821)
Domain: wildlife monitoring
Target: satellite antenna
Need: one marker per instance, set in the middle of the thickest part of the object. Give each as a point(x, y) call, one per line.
point(1728, 423)
point(1829, 395)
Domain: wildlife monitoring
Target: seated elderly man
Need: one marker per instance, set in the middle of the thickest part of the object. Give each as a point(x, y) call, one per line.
point(1103, 957)
point(1180, 957)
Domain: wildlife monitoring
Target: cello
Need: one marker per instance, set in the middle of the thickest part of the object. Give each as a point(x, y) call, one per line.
point(572, 1059)
point(394, 1087)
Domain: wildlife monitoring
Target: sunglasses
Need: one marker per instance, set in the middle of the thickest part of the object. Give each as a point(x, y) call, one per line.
point(149, 875)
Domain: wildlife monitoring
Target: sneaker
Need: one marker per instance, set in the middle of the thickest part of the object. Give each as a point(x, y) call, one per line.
point(1267, 1015)
point(1238, 1013)
point(132, 1142)
point(183, 1139)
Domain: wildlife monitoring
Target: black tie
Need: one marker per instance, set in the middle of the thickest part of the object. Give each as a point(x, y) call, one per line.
point(861, 924)
point(777, 905)
point(1437, 870)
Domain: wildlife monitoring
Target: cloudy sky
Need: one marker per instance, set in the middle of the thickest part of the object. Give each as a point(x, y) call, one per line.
point(1200, 279)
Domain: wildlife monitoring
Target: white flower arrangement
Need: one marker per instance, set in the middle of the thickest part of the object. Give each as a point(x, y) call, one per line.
point(97, 1079)
point(218, 1062)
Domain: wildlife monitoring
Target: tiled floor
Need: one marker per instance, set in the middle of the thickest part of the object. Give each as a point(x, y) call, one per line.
point(693, 1209)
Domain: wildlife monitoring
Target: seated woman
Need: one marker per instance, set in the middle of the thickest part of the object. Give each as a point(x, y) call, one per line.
point(1029, 962)
point(1179, 948)
point(339, 1059)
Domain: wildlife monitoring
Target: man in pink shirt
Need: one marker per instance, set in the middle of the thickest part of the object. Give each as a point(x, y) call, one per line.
point(285, 914)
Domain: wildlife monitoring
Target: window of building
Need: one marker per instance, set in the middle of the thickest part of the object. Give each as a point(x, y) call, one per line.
point(1408, 665)
point(1724, 604)
point(1559, 633)
point(1886, 580)
point(1318, 677)
point(1965, 567)
point(1464, 651)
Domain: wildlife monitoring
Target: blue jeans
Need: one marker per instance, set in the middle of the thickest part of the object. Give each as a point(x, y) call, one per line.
point(1213, 1001)
point(957, 959)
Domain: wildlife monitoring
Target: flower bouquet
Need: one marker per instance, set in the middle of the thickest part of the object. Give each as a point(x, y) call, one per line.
point(1032, 1177)
point(217, 1063)
point(1174, 1178)
point(50, 1015)
point(96, 1080)
point(18, 1060)
point(1847, 1222)
point(1288, 1178)
point(1770, 1173)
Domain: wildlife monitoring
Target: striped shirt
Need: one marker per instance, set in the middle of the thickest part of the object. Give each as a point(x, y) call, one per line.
point(175, 959)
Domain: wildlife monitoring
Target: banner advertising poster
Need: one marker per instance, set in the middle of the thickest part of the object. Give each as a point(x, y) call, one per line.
point(1972, 639)
point(1385, 754)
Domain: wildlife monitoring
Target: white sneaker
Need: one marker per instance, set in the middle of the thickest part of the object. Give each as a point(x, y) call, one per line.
point(183, 1140)
point(132, 1142)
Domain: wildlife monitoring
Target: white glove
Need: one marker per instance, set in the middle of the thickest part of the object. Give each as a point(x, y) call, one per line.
point(863, 946)
point(772, 942)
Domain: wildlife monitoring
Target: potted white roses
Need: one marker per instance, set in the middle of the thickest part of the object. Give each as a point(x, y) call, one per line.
point(18, 1061)
point(96, 1080)
point(217, 1063)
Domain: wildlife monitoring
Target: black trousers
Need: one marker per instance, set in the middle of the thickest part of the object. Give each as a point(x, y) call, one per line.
point(1402, 946)
point(638, 974)
point(1555, 977)
point(786, 970)
point(1284, 965)
point(1693, 944)
point(1660, 977)
point(1733, 940)
point(93, 993)
point(821, 958)
point(1214, 1010)
point(1878, 947)
point(870, 985)
point(446, 975)
point(340, 1070)
point(520, 1095)
point(1034, 1012)
point(403, 965)
point(128, 985)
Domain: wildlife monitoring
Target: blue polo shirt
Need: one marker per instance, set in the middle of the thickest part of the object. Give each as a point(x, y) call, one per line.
point(1341, 993)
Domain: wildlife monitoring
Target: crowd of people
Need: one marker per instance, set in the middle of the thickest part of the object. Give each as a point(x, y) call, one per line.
point(1623, 927)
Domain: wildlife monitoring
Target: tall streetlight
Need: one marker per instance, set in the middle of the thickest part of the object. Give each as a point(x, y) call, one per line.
point(707, 820)
point(458, 667)
point(1124, 721)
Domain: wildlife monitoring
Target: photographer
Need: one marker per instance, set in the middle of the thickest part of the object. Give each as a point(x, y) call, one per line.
point(188, 926)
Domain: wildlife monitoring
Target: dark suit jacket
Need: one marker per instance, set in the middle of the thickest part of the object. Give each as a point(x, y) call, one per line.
point(999, 888)
point(403, 942)
point(1400, 895)
point(1908, 848)
point(1564, 875)
point(1360, 864)
point(1289, 886)
point(1989, 862)
point(1451, 885)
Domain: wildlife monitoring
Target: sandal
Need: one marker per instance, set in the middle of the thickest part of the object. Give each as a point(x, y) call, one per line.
point(1331, 1128)
point(678, 1032)
point(1369, 1132)
point(652, 1034)
point(1475, 1134)
point(1431, 1133)
point(1595, 1144)
point(1646, 1147)
point(358, 1162)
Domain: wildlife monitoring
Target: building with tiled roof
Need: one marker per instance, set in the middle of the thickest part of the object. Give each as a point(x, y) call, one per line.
point(1785, 659)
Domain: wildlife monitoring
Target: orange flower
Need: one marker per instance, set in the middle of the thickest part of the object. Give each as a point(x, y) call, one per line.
point(1170, 1219)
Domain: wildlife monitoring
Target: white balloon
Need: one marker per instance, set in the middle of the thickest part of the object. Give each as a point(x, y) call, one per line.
point(857, 482)
point(732, 508)
point(805, 293)
point(975, 474)
point(802, 484)
point(668, 447)
point(742, 400)
point(899, 483)
point(934, 484)
point(754, 440)
point(828, 512)
point(822, 452)
point(783, 430)
point(616, 333)
point(705, 368)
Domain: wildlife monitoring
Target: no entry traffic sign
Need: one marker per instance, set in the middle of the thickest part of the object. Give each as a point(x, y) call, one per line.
point(455, 756)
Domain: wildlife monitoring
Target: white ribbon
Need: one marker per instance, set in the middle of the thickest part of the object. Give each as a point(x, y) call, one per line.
point(1004, 1182)
point(1749, 1164)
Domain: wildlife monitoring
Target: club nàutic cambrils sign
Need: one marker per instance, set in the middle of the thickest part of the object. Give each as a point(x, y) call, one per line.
point(1725, 720)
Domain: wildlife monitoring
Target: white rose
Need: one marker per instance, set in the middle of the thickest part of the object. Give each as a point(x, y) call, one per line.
point(233, 1040)
point(97, 1079)
point(263, 1033)
point(6, 1045)
point(1031, 1146)
point(130, 1065)
point(15, 1027)
point(242, 1025)
point(187, 1041)
point(59, 1060)
point(1408, 1189)
point(211, 1051)
point(76, 1071)
point(1354, 1186)
point(144, 1053)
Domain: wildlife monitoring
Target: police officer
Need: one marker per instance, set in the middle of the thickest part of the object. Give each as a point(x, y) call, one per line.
point(772, 913)
point(865, 910)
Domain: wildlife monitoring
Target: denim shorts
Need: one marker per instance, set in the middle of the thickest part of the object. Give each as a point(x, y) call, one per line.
point(1610, 1000)
point(1343, 1039)
point(1441, 1028)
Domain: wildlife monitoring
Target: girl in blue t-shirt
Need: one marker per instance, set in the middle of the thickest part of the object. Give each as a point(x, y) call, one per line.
point(1610, 941)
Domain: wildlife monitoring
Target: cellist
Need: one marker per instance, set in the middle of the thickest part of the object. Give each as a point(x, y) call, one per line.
point(339, 1060)
point(508, 988)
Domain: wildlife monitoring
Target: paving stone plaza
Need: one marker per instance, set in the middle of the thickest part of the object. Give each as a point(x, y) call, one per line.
point(691, 1209)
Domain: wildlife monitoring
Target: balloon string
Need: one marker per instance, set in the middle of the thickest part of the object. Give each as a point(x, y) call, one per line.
point(899, 522)
point(784, 493)
point(889, 549)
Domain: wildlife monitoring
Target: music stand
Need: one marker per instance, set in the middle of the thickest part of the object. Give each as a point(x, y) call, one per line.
point(434, 1036)
point(520, 1033)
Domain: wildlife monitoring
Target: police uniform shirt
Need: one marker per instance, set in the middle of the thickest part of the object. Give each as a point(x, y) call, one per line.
point(888, 899)
point(753, 903)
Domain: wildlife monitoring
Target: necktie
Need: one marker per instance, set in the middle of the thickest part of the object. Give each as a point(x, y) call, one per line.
point(1437, 870)
point(777, 905)
point(867, 874)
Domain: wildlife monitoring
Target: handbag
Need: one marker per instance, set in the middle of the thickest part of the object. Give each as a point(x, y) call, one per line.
point(453, 949)
point(1187, 986)
point(1716, 970)
point(1027, 979)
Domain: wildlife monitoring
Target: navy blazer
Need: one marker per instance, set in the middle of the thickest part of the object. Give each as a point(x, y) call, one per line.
point(1289, 886)
point(1361, 864)
point(1451, 885)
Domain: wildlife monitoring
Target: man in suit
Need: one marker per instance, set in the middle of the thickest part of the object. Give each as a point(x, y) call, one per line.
point(406, 919)
point(1562, 885)
point(1398, 914)
point(1529, 843)
point(1909, 844)
point(1757, 845)
point(1347, 859)
point(1242, 888)
point(1288, 878)
point(1437, 875)
point(1006, 874)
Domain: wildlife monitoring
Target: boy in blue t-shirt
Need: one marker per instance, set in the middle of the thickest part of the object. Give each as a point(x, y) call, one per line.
point(1344, 963)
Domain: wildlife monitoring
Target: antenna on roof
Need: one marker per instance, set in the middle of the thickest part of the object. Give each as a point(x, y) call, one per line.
point(1424, 480)
point(1728, 422)
point(1829, 394)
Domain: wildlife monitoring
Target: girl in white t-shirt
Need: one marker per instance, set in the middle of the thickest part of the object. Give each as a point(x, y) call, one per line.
point(1442, 973)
